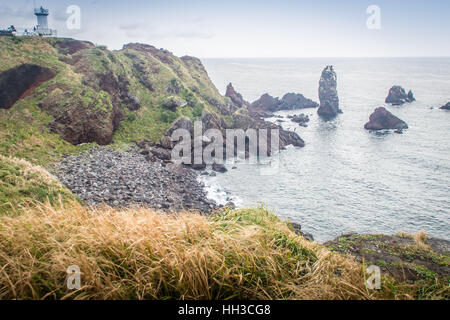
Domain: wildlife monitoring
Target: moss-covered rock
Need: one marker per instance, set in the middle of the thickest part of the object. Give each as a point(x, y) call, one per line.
point(414, 259)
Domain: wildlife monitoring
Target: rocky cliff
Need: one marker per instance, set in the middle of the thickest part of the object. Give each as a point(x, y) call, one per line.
point(65, 93)
point(97, 95)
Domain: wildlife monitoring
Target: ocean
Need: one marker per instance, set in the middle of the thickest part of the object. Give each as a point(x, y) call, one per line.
point(347, 179)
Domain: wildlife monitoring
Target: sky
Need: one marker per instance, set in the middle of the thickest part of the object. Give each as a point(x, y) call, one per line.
point(252, 29)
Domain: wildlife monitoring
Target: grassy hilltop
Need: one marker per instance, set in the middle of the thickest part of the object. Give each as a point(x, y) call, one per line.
point(97, 96)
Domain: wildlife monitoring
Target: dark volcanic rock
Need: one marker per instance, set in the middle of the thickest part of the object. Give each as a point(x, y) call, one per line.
point(301, 119)
point(173, 103)
point(219, 168)
point(293, 101)
point(398, 96)
point(298, 230)
point(212, 121)
point(166, 143)
point(286, 137)
point(290, 138)
point(122, 179)
point(161, 153)
point(18, 82)
point(382, 119)
point(446, 107)
point(266, 103)
point(329, 100)
point(235, 97)
point(180, 123)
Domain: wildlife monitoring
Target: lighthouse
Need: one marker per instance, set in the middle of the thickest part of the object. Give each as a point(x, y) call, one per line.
point(42, 24)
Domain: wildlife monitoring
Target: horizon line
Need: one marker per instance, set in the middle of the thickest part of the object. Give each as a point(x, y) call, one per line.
point(329, 57)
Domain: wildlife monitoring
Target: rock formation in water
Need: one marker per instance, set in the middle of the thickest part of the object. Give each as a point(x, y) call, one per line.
point(446, 107)
point(301, 119)
point(267, 104)
point(329, 100)
point(293, 101)
point(235, 97)
point(398, 96)
point(382, 119)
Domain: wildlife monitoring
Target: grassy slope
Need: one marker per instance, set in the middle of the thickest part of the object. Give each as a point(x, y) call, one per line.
point(23, 184)
point(139, 254)
point(153, 120)
point(24, 129)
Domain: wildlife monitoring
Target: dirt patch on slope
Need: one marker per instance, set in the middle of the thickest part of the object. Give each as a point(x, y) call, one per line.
point(19, 82)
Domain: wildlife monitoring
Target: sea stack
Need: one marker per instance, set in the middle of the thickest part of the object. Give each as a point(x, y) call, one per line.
point(397, 96)
point(329, 100)
point(382, 119)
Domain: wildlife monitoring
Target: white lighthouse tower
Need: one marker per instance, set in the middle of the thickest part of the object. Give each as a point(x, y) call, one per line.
point(42, 24)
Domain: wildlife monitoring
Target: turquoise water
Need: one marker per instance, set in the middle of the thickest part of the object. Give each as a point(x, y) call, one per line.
point(347, 179)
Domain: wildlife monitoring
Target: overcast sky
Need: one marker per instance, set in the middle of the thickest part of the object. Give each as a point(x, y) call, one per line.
point(284, 28)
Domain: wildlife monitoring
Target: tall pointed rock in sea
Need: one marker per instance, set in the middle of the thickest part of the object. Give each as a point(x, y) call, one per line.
point(329, 100)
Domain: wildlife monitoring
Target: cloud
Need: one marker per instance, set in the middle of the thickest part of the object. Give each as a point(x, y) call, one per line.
point(17, 12)
point(194, 34)
point(140, 30)
point(59, 15)
point(131, 26)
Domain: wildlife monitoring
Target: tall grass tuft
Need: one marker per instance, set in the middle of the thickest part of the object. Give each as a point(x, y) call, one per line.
point(141, 254)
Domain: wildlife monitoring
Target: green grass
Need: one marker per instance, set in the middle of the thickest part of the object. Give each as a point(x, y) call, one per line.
point(22, 184)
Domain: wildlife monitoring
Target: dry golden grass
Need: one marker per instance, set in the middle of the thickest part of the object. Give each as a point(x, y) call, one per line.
point(419, 238)
point(140, 254)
